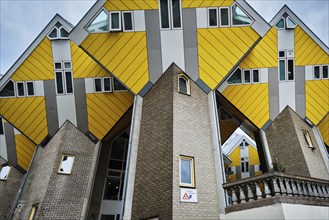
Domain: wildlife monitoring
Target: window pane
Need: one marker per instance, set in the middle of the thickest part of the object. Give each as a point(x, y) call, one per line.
point(235, 78)
point(186, 176)
point(4, 172)
point(164, 13)
point(67, 65)
point(118, 148)
point(325, 72)
point(1, 126)
point(255, 76)
point(63, 32)
point(108, 217)
point(100, 23)
point(290, 70)
point(66, 164)
point(58, 66)
point(69, 83)
point(8, 90)
point(212, 17)
point(247, 76)
point(115, 164)
point(118, 86)
point(20, 89)
point(282, 54)
point(98, 85)
point(53, 34)
point(112, 189)
point(107, 84)
point(280, 23)
point(128, 21)
point(239, 17)
point(224, 16)
point(59, 83)
point(290, 23)
point(176, 13)
point(242, 167)
point(247, 166)
point(115, 20)
point(183, 85)
point(282, 70)
point(30, 88)
point(316, 72)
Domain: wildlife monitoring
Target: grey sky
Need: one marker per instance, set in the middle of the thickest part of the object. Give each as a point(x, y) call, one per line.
point(22, 20)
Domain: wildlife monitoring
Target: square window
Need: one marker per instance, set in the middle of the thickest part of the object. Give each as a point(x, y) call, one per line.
point(186, 171)
point(4, 171)
point(282, 54)
point(58, 65)
point(115, 21)
point(67, 65)
point(66, 164)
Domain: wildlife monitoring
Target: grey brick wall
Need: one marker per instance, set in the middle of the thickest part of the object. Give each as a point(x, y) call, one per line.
point(59, 196)
point(8, 190)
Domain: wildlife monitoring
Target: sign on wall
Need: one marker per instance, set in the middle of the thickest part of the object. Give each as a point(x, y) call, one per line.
point(188, 195)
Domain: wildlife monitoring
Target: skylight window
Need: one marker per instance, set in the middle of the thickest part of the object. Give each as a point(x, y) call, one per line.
point(53, 34)
point(63, 32)
point(239, 17)
point(236, 77)
point(66, 164)
point(100, 23)
point(4, 171)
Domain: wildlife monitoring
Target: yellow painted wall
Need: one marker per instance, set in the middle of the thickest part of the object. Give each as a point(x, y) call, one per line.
point(39, 64)
point(235, 157)
point(307, 51)
point(24, 151)
point(206, 3)
point(252, 100)
point(264, 54)
point(119, 5)
point(220, 49)
point(253, 156)
point(124, 54)
point(105, 110)
point(324, 129)
point(28, 115)
point(83, 65)
point(317, 99)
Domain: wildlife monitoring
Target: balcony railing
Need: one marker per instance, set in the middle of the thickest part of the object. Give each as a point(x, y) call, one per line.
point(276, 187)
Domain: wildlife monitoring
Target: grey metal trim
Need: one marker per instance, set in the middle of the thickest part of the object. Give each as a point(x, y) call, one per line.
point(273, 83)
point(190, 43)
point(51, 106)
point(11, 144)
point(146, 88)
point(300, 91)
point(266, 150)
point(202, 85)
point(286, 9)
point(81, 104)
point(153, 41)
point(33, 45)
point(267, 124)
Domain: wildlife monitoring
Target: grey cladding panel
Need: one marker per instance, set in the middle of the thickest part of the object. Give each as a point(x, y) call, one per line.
point(81, 105)
point(11, 144)
point(300, 91)
point(273, 82)
point(51, 106)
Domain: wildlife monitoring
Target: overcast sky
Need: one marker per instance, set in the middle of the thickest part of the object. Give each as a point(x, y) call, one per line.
point(22, 20)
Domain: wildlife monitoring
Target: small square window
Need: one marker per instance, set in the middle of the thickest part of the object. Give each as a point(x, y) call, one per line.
point(115, 21)
point(4, 171)
point(186, 171)
point(282, 54)
point(58, 65)
point(67, 65)
point(33, 211)
point(30, 88)
point(66, 164)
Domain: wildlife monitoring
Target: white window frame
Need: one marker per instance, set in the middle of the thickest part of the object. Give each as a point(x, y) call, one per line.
point(220, 16)
point(240, 25)
point(132, 21)
point(192, 170)
point(57, 30)
point(63, 71)
point(252, 76)
point(170, 16)
point(244, 78)
point(94, 84)
point(65, 82)
point(322, 71)
point(188, 84)
point(60, 164)
point(285, 54)
point(208, 17)
point(94, 17)
point(24, 88)
point(286, 59)
point(61, 66)
point(284, 24)
point(110, 21)
point(286, 21)
point(27, 93)
point(59, 33)
point(244, 164)
point(118, 90)
point(103, 84)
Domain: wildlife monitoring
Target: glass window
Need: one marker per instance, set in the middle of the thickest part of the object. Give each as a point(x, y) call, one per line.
point(164, 10)
point(316, 72)
point(176, 13)
point(280, 24)
point(127, 21)
point(115, 21)
point(247, 76)
point(98, 84)
point(183, 84)
point(63, 32)
point(282, 54)
point(8, 90)
point(53, 33)
point(255, 76)
point(30, 88)
point(282, 70)
point(291, 23)
point(2, 130)
point(290, 69)
point(67, 65)
point(59, 82)
point(20, 89)
point(118, 86)
point(224, 115)
point(58, 66)
point(239, 17)
point(244, 164)
point(325, 72)
point(308, 139)
point(33, 212)
point(187, 171)
point(69, 82)
point(213, 17)
point(4, 171)
point(236, 77)
point(100, 23)
point(66, 164)
point(107, 84)
point(224, 17)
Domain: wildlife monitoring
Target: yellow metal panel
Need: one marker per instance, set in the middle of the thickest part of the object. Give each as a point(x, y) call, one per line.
point(38, 65)
point(25, 150)
point(264, 54)
point(317, 101)
point(28, 115)
point(253, 156)
point(235, 157)
point(252, 100)
point(220, 49)
point(105, 110)
point(119, 5)
point(307, 51)
point(205, 3)
point(324, 129)
point(124, 54)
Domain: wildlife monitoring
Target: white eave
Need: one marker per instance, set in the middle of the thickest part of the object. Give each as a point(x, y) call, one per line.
point(57, 18)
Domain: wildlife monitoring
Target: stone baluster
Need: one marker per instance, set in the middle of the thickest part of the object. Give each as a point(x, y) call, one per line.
point(250, 193)
point(267, 190)
point(258, 191)
point(276, 188)
point(282, 187)
point(316, 194)
point(326, 195)
point(294, 188)
point(321, 194)
point(327, 189)
point(289, 190)
point(303, 184)
point(310, 190)
point(242, 195)
point(300, 189)
point(234, 197)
